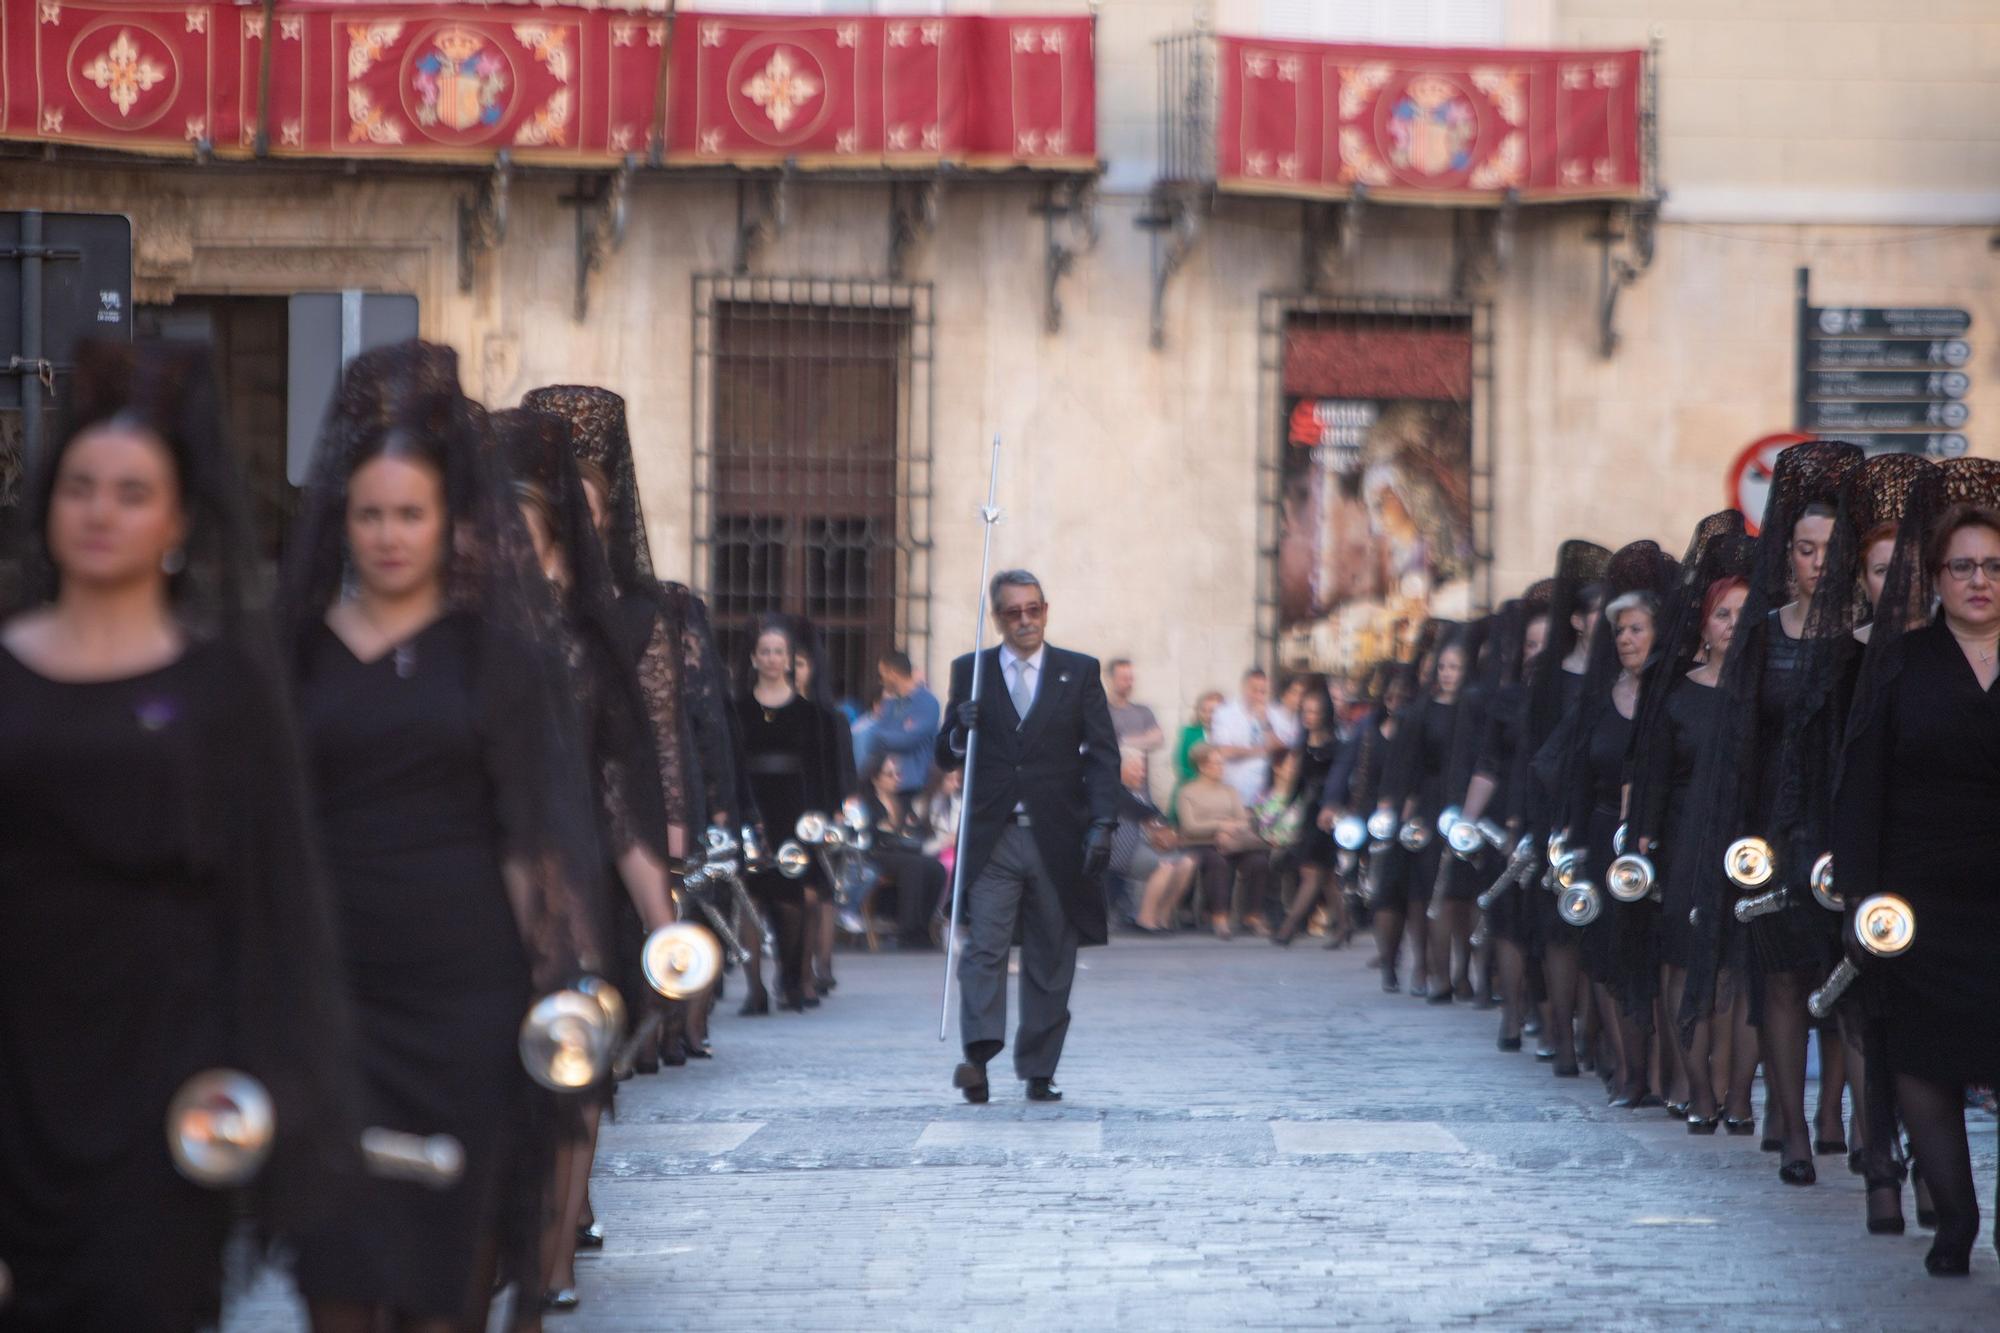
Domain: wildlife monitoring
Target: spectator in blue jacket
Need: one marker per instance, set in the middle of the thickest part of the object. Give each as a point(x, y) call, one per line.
point(906, 722)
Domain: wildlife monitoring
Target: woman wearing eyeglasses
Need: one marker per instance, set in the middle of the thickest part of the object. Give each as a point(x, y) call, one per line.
point(1914, 819)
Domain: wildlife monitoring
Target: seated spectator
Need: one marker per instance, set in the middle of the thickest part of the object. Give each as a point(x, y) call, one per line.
point(1146, 851)
point(1195, 733)
point(902, 867)
point(940, 809)
point(1215, 828)
point(1138, 730)
point(905, 722)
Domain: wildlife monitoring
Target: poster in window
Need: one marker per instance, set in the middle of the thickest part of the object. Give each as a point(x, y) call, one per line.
point(1375, 531)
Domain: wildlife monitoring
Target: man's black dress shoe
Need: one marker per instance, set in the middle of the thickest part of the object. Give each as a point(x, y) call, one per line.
point(1043, 1090)
point(970, 1079)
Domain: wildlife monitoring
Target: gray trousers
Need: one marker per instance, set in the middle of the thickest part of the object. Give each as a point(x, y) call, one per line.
point(1015, 883)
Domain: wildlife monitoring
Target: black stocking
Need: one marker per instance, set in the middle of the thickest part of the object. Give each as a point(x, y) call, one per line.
point(1784, 1039)
point(1559, 964)
point(1880, 1166)
point(1935, 1114)
point(1389, 942)
point(1513, 986)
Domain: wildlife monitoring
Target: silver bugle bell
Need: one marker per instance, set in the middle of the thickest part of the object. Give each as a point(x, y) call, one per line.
point(1821, 1002)
point(680, 960)
point(811, 828)
point(1821, 882)
point(854, 814)
point(219, 1128)
point(1558, 844)
point(1749, 863)
point(1570, 868)
point(1749, 909)
point(720, 841)
point(567, 1041)
point(1580, 903)
point(1382, 826)
point(1414, 835)
point(1465, 840)
point(793, 860)
point(1618, 841)
point(437, 1160)
point(1885, 924)
point(1630, 878)
point(837, 836)
point(1350, 833)
point(1447, 819)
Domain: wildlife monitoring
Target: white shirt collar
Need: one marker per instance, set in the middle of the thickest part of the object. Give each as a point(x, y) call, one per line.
point(1035, 662)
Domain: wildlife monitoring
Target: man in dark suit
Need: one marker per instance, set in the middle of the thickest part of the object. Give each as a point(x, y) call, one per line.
point(1044, 791)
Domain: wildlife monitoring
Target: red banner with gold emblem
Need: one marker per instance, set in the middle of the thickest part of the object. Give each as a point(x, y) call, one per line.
point(859, 91)
point(1428, 124)
point(548, 82)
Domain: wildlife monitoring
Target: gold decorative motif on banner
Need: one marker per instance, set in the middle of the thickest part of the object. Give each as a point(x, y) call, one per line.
point(125, 75)
point(781, 89)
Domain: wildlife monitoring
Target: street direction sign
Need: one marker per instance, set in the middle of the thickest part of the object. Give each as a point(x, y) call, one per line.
point(1937, 445)
point(1878, 416)
point(1938, 384)
point(1889, 321)
point(1886, 353)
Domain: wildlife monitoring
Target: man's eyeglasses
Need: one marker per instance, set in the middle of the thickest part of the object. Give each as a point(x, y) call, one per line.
point(1026, 611)
point(1961, 568)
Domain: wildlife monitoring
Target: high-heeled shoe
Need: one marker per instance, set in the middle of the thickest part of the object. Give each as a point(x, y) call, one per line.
point(1283, 939)
point(590, 1237)
point(1389, 981)
point(1676, 1110)
point(561, 1300)
point(1829, 1147)
point(1798, 1172)
point(757, 1005)
point(793, 1002)
point(1739, 1129)
point(1770, 1145)
point(1949, 1258)
point(1512, 1044)
point(1885, 1210)
point(1703, 1124)
point(1570, 1070)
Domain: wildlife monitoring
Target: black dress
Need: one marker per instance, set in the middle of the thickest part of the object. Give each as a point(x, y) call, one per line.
point(1315, 846)
point(1544, 806)
point(1802, 936)
point(399, 755)
point(1433, 758)
point(1690, 718)
point(1918, 802)
point(1603, 946)
point(791, 759)
point(110, 922)
point(1506, 723)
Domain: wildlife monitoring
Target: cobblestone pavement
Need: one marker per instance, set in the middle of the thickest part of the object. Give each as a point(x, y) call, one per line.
point(1252, 1138)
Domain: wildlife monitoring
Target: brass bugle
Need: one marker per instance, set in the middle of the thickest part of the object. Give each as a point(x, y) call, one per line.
point(221, 1124)
point(793, 860)
point(1749, 863)
point(1822, 1001)
point(1580, 903)
point(1496, 837)
point(680, 960)
point(1631, 878)
point(1821, 882)
point(1749, 909)
point(721, 842)
point(1382, 826)
point(1465, 840)
point(1415, 835)
point(1447, 819)
point(811, 828)
point(567, 1040)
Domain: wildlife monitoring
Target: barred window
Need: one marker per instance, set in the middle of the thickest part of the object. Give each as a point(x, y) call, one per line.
point(812, 464)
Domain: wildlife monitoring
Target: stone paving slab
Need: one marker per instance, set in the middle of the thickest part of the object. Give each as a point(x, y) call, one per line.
point(820, 1173)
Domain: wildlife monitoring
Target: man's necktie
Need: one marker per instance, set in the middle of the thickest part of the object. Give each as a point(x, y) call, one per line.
point(1023, 693)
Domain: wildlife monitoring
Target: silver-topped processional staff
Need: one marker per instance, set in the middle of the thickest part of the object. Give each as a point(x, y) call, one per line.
point(989, 514)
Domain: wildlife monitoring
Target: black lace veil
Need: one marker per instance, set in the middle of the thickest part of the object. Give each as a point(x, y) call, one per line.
point(527, 719)
point(1640, 566)
point(1720, 548)
point(282, 1000)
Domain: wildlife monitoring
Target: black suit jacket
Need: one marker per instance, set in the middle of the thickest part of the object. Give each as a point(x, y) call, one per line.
point(1062, 764)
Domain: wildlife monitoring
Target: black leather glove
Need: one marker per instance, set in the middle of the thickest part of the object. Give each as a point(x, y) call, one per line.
point(1097, 849)
point(967, 717)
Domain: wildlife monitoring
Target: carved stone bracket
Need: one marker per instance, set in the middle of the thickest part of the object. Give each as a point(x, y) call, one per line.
point(913, 215)
point(1174, 217)
point(1482, 244)
point(1636, 225)
point(1069, 228)
point(763, 207)
point(482, 219)
point(600, 225)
